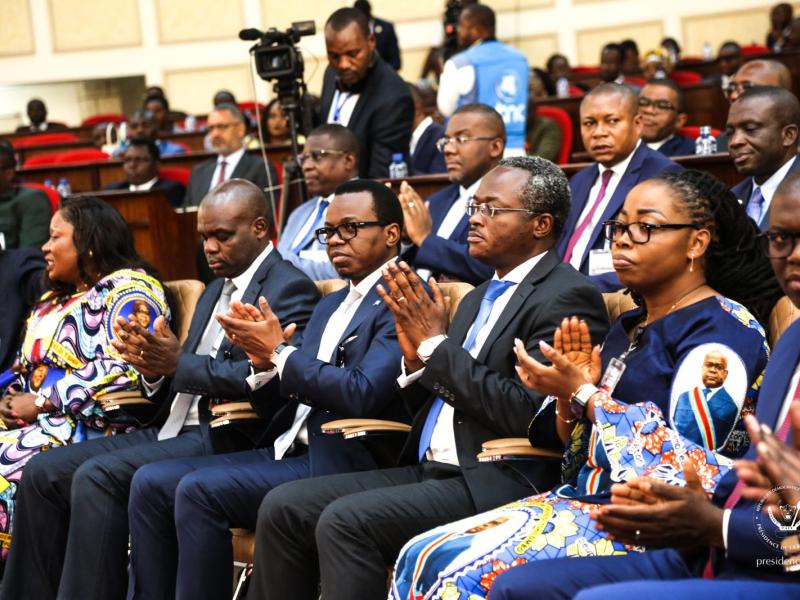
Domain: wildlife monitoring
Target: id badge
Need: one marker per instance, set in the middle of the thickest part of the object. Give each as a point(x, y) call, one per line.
point(600, 262)
point(612, 375)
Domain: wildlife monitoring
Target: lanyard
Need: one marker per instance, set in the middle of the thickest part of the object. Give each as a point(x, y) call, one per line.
point(337, 106)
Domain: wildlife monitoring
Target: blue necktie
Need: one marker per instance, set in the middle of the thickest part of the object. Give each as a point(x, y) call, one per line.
point(319, 219)
point(493, 292)
point(756, 205)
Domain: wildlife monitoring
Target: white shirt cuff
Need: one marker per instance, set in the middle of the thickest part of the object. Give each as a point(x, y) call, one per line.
point(280, 360)
point(259, 380)
point(726, 517)
point(150, 388)
point(405, 379)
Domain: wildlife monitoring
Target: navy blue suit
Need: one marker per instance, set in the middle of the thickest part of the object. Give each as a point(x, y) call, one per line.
point(181, 510)
point(73, 502)
point(696, 589)
point(562, 578)
point(678, 145)
point(20, 288)
point(427, 159)
point(744, 189)
point(449, 256)
point(645, 163)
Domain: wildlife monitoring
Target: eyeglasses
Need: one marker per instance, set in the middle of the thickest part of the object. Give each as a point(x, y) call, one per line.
point(776, 243)
point(318, 155)
point(345, 231)
point(220, 126)
point(441, 143)
point(487, 210)
point(638, 232)
point(664, 105)
point(737, 88)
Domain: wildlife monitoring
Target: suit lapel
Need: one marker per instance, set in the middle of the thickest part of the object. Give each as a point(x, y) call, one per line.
point(779, 373)
point(466, 313)
point(369, 304)
point(316, 326)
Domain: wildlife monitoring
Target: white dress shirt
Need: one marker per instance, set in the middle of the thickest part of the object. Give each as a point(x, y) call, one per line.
point(618, 170)
point(230, 165)
point(659, 143)
point(143, 187)
point(770, 185)
point(345, 104)
point(417, 133)
point(443, 441)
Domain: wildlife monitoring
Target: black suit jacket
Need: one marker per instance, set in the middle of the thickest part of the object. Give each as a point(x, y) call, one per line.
point(52, 127)
point(292, 297)
point(386, 42)
point(20, 288)
point(382, 119)
point(427, 159)
point(678, 145)
point(489, 400)
point(174, 191)
point(249, 167)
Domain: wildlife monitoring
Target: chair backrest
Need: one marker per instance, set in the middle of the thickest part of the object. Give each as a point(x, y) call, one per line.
point(185, 294)
point(686, 77)
point(104, 118)
point(581, 69)
point(179, 174)
point(45, 139)
point(455, 290)
point(52, 194)
point(783, 314)
point(693, 131)
point(754, 50)
point(617, 303)
point(574, 90)
point(561, 117)
point(41, 160)
point(328, 286)
point(637, 81)
point(83, 155)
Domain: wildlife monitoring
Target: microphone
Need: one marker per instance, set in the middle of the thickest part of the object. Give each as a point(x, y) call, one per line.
point(250, 35)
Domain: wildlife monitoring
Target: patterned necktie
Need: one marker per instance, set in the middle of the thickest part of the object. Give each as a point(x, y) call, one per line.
point(493, 292)
point(221, 177)
point(756, 205)
point(319, 219)
point(183, 401)
point(573, 241)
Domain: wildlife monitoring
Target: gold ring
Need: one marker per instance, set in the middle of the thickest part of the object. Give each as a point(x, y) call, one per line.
point(401, 299)
point(637, 534)
point(233, 336)
point(141, 353)
point(410, 205)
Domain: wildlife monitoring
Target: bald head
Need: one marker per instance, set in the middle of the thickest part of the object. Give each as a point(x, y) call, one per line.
point(759, 72)
point(241, 196)
point(626, 97)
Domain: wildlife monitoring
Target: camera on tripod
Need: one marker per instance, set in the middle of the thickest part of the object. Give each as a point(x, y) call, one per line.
point(276, 56)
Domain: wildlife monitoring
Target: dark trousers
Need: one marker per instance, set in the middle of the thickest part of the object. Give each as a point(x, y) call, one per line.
point(180, 515)
point(72, 516)
point(346, 529)
point(694, 589)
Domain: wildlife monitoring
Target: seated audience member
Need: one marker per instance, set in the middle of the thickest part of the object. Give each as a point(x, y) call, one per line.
point(691, 335)
point(678, 525)
point(20, 287)
point(275, 124)
point(610, 127)
point(142, 124)
point(24, 212)
point(729, 60)
point(462, 384)
point(56, 536)
point(100, 136)
point(329, 159)
point(630, 57)
point(345, 367)
point(663, 112)
point(226, 128)
point(140, 164)
point(558, 66)
point(611, 66)
point(438, 228)
point(159, 106)
point(657, 64)
point(385, 36)
point(780, 18)
point(754, 73)
point(66, 361)
point(37, 115)
point(672, 48)
point(763, 128)
point(539, 85)
point(425, 157)
point(223, 97)
point(543, 135)
point(483, 59)
point(363, 93)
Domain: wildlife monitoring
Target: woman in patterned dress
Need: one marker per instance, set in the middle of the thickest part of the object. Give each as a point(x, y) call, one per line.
point(66, 362)
point(693, 357)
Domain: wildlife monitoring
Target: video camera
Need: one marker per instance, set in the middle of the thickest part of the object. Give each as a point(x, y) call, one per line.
point(452, 13)
point(276, 56)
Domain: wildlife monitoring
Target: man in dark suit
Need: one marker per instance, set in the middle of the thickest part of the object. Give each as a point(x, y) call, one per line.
point(20, 288)
point(363, 93)
point(71, 521)
point(663, 113)
point(681, 524)
point(463, 390)
point(438, 227)
point(37, 115)
point(425, 156)
point(763, 128)
point(226, 129)
point(611, 127)
point(385, 37)
point(346, 366)
point(140, 163)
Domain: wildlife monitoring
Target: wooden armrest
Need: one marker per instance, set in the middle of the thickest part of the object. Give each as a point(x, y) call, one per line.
point(505, 443)
point(360, 427)
point(117, 400)
point(514, 448)
point(227, 408)
point(231, 412)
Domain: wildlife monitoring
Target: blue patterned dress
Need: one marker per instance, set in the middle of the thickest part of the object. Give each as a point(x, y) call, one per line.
point(684, 377)
point(66, 356)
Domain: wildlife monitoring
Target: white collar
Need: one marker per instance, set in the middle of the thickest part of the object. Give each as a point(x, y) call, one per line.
point(659, 143)
point(521, 271)
point(423, 125)
point(242, 280)
point(470, 191)
point(770, 185)
point(143, 186)
point(233, 157)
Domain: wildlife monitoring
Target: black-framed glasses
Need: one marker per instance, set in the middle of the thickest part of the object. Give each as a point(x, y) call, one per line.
point(220, 126)
point(638, 232)
point(441, 143)
point(487, 210)
point(737, 87)
point(345, 231)
point(318, 155)
point(664, 105)
point(776, 243)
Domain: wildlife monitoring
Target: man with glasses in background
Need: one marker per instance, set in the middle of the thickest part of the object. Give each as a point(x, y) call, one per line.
point(437, 229)
point(329, 159)
point(663, 113)
point(140, 163)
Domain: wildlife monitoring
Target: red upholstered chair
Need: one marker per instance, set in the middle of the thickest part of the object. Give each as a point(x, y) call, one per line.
point(694, 132)
point(178, 174)
point(637, 81)
point(754, 50)
point(41, 160)
point(44, 139)
point(104, 118)
point(52, 194)
point(692, 59)
point(560, 116)
point(81, 156)
point(582, 69)
point(574, 90)
point(686, 77)
point(251, 106)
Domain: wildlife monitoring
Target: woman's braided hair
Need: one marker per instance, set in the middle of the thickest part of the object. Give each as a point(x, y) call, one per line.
point(734, 264)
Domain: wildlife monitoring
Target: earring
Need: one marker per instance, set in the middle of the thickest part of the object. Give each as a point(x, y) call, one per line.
point(691, 263)
point(90, 254)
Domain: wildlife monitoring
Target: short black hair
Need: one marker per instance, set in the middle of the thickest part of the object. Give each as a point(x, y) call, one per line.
point(671, 41)
point(162, 99)
point(234, 111)
point(342, 137)
point(614, 47)
point(151, 146)
point(384, 201)
point(364, 6)
point(343, 17)
point(629, 45)
point(482, 16)
point(492, 117)
point(669, 83)
point(785, 105)
point(616, 89)
point(731, 44)
point(8, 158)
point(553, 58)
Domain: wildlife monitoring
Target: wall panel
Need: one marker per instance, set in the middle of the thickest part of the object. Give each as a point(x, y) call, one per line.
point(94, 24)
point(647, 35)
point(16, 29)
point(198, 20)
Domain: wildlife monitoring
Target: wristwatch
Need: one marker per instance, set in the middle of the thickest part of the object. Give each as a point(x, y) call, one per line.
point(426, 347)
point(280, 348)
point(581, 397)
point(39, 401)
